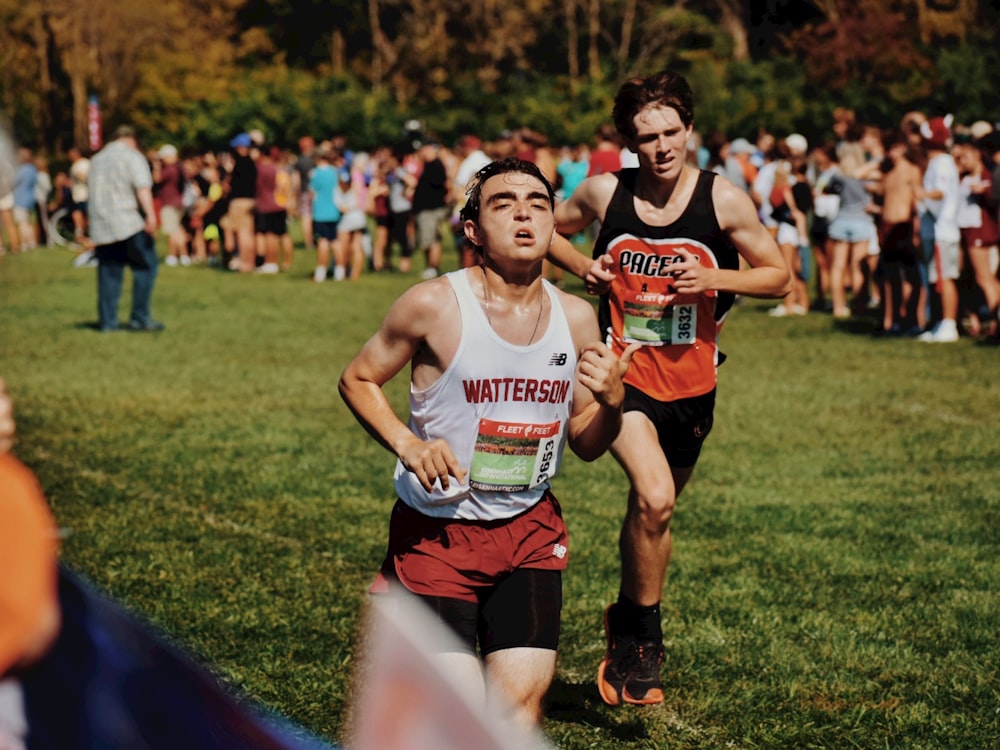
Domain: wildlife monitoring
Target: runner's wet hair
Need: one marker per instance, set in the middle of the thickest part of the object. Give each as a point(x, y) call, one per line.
point(665, 88)
point(470, 212)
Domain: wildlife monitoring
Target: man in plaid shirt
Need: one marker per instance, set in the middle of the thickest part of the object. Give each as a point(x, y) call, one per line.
point(122, 226)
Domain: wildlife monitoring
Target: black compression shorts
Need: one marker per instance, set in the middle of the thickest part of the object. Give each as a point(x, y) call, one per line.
point(681, 425)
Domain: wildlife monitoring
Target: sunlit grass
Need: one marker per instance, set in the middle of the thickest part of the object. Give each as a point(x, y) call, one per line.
point(835, 570)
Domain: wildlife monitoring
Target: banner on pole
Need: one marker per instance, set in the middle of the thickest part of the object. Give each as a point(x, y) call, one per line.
point(94, 134)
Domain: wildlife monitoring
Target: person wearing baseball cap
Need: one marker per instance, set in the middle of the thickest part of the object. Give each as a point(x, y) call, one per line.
point(242, 202)
point(940, 237)
point(168, 190)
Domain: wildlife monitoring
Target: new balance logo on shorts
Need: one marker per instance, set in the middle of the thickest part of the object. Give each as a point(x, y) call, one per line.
point(559, 550)
point(559, 358)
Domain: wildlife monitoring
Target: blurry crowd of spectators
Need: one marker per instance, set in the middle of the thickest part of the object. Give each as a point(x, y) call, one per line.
point(900, 223)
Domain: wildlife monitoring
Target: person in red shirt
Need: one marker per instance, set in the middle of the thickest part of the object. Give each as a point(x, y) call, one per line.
point(168, 191)
point(977, 221)
point(607, 153)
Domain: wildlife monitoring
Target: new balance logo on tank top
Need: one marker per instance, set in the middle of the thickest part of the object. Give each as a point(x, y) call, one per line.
point(680, 331)
point(503, 410)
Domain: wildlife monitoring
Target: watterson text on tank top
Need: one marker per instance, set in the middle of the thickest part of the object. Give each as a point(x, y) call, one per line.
point(516, 389)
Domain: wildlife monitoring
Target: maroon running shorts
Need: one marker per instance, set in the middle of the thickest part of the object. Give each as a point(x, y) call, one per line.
point(454, 558)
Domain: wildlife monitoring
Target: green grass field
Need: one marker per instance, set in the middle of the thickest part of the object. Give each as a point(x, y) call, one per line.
point(836, 574)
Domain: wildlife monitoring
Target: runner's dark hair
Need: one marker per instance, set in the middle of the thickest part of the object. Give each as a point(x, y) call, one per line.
point(470, 212)
point(665, 88)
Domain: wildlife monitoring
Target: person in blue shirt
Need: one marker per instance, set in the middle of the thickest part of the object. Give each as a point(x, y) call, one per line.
point(325, 214)
point(24, 198)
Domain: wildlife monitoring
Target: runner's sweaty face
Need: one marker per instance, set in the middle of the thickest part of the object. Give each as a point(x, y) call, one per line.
point(515, 217)
point(660, 141)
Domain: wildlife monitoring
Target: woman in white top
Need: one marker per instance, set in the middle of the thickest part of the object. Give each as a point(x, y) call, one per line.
point(349, 252)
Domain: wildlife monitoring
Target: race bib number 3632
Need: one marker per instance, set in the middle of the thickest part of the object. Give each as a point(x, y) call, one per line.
point(659, 319)
point(513, 456)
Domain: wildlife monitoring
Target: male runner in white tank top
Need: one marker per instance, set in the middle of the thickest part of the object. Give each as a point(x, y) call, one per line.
point(504, 370)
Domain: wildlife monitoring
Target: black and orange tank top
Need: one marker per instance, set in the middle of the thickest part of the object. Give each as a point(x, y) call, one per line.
point(679, 332)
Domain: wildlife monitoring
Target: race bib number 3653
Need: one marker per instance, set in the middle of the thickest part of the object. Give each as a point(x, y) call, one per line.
point(513, 456)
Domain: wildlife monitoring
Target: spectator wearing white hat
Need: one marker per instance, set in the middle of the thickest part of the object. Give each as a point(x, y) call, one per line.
point(740, 150)
point(980, 129)
point(723, 161)
point(168, 192)
point(797, 144)
point(940, 236)
point(791, 201)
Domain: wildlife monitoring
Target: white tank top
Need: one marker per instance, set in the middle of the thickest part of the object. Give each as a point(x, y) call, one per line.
point(503, 410)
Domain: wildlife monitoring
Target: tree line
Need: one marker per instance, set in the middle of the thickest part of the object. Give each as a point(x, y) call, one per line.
point(196, 74)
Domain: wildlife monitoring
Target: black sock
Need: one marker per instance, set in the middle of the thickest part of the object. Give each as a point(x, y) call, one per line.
point(642, 622)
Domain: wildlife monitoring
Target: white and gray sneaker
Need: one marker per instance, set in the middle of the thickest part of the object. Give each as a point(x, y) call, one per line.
point(944, 332)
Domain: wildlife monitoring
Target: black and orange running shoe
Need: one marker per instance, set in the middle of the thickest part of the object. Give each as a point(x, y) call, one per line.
point(630, 671)
point(643, 685)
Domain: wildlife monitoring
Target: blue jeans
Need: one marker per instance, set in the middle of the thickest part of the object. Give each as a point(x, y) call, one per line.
point(926, 255)
point(138, 252)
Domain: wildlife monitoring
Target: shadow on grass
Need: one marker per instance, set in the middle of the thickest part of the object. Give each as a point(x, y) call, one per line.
point(859, 325)
point(579, 703)
point(93, 325)
point(86, 325)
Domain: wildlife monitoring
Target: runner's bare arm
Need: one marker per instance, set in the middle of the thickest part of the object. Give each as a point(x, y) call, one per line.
point(397, 342)
point(768, 275)
point(599, 392)
point(581, 209)
point(564, 254)
point(575, 214)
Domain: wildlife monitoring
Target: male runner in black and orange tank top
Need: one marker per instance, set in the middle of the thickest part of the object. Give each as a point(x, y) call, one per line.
point(667, 266)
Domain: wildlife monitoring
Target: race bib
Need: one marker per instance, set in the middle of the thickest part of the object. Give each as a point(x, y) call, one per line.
point(513, 456)
point(659, 319)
